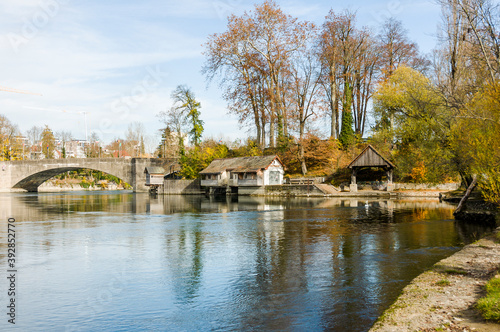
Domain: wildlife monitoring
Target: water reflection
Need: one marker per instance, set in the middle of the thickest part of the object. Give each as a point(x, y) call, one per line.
point(196, 263)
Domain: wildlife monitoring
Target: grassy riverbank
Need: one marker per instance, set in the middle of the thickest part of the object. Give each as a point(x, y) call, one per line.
point(445, 297)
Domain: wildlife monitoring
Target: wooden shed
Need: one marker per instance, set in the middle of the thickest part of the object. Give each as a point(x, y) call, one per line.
point(370, 157)
point(154, 176)
point(243, 171)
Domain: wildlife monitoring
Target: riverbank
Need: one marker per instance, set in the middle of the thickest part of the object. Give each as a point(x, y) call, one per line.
point(444, 298)
point(67, 185)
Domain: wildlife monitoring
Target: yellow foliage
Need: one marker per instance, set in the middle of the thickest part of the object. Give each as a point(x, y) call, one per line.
point(481, 145)
point(418, 173)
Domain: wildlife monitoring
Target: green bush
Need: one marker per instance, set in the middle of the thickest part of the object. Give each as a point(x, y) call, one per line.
point(489, 306)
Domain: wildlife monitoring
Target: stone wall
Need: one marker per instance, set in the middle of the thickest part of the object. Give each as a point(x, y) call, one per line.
point(182, 187)
point(426, 186)
point(280, 190)
point(5, 177)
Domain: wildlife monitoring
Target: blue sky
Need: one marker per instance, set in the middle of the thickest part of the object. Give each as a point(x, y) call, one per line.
point(118, 61)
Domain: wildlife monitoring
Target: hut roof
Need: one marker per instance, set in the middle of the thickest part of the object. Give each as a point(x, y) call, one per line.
point(240, 165)
point(370, 158)
point(172, 167)
point(154, 170)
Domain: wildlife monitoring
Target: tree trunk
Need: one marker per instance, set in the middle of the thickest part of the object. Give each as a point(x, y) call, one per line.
point(271, 132)
point(337, 115)
point(466, 196)
point(302, 158)
point(333, 104)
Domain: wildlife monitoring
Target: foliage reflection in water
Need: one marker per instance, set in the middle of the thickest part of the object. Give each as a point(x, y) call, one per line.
point(119, 261)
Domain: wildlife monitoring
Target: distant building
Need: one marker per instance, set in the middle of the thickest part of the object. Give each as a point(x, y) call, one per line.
point(243, 172)
point(75, 149)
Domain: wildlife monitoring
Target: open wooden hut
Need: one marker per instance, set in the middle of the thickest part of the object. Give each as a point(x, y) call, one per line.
point(370, 157)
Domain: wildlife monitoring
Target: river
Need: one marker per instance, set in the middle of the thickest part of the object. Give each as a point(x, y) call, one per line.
point(118, 261)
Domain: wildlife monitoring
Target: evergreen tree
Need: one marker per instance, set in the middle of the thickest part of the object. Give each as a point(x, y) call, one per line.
point(346, 137)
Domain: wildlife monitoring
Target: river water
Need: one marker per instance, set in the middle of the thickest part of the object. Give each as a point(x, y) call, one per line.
point(118, 261)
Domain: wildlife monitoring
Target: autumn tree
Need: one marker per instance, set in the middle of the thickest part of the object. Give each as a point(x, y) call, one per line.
point(481, 145)
point(330, 54)
point(48, 143)
point(420, 128)
point(230, 58)
point(482, 20)
point(197, 159)
point(304, 91)
point(349, 57)
point(396, 49)
point(253, 59)
point(11, 147)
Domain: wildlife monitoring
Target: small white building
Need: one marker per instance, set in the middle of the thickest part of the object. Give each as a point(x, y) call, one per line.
point(154, 176)
point(243, 172)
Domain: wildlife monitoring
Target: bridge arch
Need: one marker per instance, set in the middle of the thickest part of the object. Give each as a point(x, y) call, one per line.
point(33, 181)
point(29, 174)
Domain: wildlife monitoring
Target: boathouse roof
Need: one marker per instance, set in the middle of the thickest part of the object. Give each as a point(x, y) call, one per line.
point(154, 170)
point(241, 164)
point(370, 157)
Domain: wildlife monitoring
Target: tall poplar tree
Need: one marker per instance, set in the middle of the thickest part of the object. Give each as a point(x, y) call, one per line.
point(48, 143)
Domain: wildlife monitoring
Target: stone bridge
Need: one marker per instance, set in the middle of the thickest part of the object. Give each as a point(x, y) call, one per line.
point(29, 174)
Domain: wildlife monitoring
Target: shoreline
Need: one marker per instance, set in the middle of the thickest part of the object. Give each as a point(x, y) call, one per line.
point(344, 194)
point(444, 297)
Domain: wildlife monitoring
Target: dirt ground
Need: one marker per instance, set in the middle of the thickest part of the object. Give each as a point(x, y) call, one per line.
point(443, 298)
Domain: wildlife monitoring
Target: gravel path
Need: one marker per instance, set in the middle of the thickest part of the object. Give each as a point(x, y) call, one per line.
point(443, 298)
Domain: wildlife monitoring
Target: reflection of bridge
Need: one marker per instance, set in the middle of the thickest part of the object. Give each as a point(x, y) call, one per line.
point(29, 174)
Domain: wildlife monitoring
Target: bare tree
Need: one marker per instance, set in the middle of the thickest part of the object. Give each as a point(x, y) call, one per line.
point(304, 92)
point(64, 136)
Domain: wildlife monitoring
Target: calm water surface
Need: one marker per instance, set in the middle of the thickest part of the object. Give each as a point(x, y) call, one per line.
point(124, 262)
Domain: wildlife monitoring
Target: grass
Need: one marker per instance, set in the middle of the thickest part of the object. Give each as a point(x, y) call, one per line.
point(497, 236)
point(443, 282)
point(448, 269)
point(489, 306)
point(455, 271)
point(435, 307)
point(395, 306)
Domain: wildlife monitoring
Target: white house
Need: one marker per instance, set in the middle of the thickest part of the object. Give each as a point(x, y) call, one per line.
point(243, 172)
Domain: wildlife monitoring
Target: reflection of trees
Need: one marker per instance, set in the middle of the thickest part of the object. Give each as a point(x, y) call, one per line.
point(278, 273)
point(184, 250)
point(339, 260)
point(284, 263)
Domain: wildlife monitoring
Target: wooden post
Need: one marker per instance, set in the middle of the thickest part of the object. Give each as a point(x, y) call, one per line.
point(390, 185)
point(389, 175)
point(353, 187)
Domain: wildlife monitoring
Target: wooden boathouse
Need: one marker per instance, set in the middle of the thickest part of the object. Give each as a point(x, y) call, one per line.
point(370, 157)
point(227, 175)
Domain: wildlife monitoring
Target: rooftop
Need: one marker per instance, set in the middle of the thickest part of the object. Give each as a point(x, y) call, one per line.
point(240, 165)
